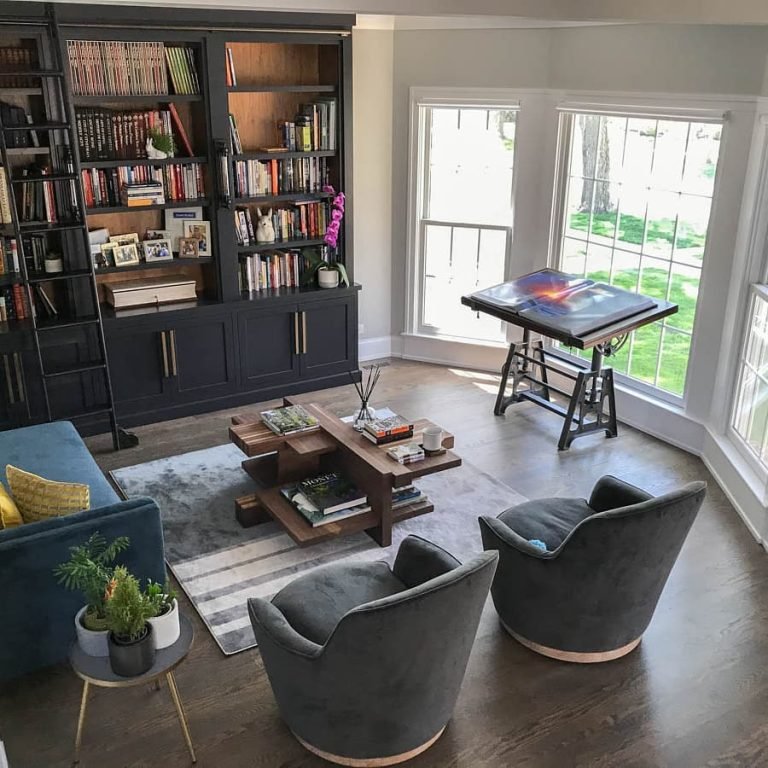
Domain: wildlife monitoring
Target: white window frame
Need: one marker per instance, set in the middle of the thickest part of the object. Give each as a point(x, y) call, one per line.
point(626, 108)
point(489, 98)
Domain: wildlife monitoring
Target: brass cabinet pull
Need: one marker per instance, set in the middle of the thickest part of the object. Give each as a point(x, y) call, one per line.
point(165, 354)
point(8, 380)
point(304, 332)
point(174, 368)
point(19, 377)
point(296, 349)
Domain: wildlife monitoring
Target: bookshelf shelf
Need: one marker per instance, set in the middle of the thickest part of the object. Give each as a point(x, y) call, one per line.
point(283, 155)
point(46, 277)
point(50, 126)
point(297, 197)
point(144, 266)
point(36, 73)
point(142, 161)
point(49, 177)
point(22, 151)
point(12, 278)
point(278, 245)
point(149, 98)
point(201, 201)
point(20, 91)
point(108, 312)
point(281, 89)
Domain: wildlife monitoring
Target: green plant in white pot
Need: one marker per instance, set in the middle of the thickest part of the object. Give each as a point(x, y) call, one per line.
point(327, 273)
point(165, 613)
point(89, 570)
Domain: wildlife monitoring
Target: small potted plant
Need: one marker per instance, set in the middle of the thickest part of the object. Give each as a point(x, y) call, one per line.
point(332, 272)
point(328, 273)
point(89, 570)
point(131, 641)
point(165, 613)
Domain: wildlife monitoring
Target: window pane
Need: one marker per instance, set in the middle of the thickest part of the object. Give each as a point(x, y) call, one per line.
point(639, 193)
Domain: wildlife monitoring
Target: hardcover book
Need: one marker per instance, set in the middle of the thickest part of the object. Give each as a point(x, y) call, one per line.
point(289, 420)
point(332, 492)
point(392, 425)
point(406, 454)
point(312, 514)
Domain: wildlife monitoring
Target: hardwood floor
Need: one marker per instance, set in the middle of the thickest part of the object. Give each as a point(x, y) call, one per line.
point(695, 693)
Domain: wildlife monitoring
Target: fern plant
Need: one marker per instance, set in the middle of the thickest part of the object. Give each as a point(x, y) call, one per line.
point(128, 608)
point(160, 596)
point(89, 570)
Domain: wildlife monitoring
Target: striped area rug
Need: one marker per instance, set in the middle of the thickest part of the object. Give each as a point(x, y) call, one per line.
point(219, 564)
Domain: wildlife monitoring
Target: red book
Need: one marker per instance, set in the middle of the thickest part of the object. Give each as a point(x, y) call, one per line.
point(180, 130)
point(273, 173)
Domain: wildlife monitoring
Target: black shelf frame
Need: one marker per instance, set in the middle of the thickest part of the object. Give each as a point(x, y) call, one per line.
point(294, 197)
point(281, 89)
point(90, 164)
point(136, 98)
point(202, 202)
point(145, 266)
point(279, 245)
point(283, 155)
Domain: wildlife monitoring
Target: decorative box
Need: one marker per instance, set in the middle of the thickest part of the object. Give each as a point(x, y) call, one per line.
point(156, 290)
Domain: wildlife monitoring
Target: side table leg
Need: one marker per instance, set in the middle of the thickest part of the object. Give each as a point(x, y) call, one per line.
point(81, 722)
point(182, 717)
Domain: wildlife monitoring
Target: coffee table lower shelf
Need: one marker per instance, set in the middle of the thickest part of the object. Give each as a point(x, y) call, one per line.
point(270, 504)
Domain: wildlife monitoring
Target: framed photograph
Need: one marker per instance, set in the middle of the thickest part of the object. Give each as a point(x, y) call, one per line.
point(157, 234)
point(132, 237)
point(157, 250)
point(107, 255)
point(126, 254)
point(200, 231)
point(189, 248)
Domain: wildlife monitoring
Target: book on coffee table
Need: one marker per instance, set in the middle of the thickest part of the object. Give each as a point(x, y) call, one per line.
point(289, 420)
point(332, 492)
point(312, 514)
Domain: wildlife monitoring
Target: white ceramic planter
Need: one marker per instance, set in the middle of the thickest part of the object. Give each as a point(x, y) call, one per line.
point(327, 278)
point(92, 643)
point(166, 628)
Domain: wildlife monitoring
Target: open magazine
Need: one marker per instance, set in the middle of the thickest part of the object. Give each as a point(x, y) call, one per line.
point(566, 303)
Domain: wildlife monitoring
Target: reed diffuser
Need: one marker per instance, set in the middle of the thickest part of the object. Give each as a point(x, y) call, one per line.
point(365, 387)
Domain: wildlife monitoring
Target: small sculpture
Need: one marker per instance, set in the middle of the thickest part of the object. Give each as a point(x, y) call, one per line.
point(152, 152)
point(265, 231)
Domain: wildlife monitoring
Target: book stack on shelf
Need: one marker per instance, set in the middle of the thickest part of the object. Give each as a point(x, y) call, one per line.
point(388, 430)
point(149, 193)
point(313, 128)
point(288, 176)
point(45, 201)
point(270, 271)
point(305, 220)
point(290, 420)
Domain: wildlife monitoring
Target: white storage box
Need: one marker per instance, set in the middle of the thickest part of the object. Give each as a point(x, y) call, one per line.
point(157, 290)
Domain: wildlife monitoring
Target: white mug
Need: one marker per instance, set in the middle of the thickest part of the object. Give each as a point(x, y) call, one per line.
point(432, 439)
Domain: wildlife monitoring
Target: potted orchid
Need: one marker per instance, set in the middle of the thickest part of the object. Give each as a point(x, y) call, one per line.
point(330, 273)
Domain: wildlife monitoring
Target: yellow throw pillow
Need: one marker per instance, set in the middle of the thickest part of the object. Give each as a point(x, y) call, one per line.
point(40, 499)
point(10, 516)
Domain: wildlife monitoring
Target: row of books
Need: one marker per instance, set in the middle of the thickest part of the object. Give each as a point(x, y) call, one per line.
point(303, 221)
point(34, 249)
point(17, 58)
point(114, 134)
point(102, 186)
point(11, 115)
point(313, 128)
point(14, 304)
point(113, 68)
point(9, 257)
point(5, 200)
point(298, 175)
point(51, 201)
point(268, 271)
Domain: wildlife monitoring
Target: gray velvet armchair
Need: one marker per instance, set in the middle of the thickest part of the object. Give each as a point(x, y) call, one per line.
point(591, 595)
point(366, 662)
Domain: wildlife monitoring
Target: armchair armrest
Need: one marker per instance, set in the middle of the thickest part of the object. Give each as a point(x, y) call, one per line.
point(419, 560)
point(266, 618)
point(501, 532)
point(611, 493)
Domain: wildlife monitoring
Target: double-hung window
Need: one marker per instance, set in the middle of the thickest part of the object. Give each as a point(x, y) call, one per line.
point(462, 227)
point(634, 211)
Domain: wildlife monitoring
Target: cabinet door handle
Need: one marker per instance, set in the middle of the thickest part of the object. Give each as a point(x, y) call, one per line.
point(165, 354)
point(174, 368)
point(8, 379)
point(296, 349)
point(19, 376)
point(304, 332)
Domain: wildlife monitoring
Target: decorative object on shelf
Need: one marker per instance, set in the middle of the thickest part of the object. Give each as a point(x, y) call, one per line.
point(337, 215)
point(432, 439)
point(265, 230)
point(365, 387)
point(165, 607)
point(159, 145)
point(54, 264)
point(200, 231)
point(89, 570)
point(130, 640)
point(328, 273)
point(158, 234)
point(189, 248)
point(327, 277)
point(126, 255)
point(175, 219)
point(107, 254)
point(130, 237)
point(161, 290)
point(157, 250)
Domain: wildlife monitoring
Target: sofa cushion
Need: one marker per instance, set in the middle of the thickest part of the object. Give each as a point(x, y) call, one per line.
point(55, 451)
point(314, 604)
point(10, 516)
point(548, 520)
point(39, 499)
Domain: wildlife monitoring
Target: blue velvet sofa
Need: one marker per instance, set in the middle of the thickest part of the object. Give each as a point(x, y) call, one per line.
point(36, 613)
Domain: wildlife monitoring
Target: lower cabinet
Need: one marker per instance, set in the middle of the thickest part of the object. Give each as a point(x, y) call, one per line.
point(13, 393)
point(329, 337)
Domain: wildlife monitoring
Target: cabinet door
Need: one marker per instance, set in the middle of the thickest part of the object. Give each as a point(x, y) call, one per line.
point(9, 393)
point(139, 364)
point(328, 337)
point(269, 346)
point(203, 359)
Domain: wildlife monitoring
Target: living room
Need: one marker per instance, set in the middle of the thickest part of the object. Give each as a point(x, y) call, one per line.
point(451, 450)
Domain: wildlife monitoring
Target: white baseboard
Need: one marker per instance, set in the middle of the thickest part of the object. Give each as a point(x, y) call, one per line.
point(377, 347)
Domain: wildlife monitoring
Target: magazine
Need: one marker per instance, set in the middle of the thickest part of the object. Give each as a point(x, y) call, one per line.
point(289, 420)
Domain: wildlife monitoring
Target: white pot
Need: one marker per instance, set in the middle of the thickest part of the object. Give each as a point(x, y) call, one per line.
point(166, 628)
point(327, 278)
point(92, 643)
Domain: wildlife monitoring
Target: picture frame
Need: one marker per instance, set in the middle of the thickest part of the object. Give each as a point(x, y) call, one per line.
point(189, 248)
point(107, 255)
point(200, 231)
point(157, 234)
point(126, 254)
point(157, 250)
point(131, 237)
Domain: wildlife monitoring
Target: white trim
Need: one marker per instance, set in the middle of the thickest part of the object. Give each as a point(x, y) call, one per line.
point(640, 110)
point(377, 347)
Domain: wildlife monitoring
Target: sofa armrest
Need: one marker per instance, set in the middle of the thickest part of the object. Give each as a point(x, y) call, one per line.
point(268, 619)
point(493, 529)
point(611, 493)
point(419, 560)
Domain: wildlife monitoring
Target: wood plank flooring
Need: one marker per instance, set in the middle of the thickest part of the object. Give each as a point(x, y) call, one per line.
point(695, 693)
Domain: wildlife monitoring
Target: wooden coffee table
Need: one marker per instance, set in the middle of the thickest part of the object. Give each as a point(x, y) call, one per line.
point(275, 461)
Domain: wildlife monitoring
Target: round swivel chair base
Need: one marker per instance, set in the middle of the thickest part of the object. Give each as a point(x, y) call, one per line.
point(572, 656)
point(371, 762)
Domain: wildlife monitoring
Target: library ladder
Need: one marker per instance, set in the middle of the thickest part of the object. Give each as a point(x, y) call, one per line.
point(53, 75)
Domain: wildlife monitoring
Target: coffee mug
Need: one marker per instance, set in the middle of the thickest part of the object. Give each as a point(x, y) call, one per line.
point(432, 439)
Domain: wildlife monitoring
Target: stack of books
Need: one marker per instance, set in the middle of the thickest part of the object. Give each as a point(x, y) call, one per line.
point(150, 193)
point(289, 420)
point(388, 430)
point(409, 453)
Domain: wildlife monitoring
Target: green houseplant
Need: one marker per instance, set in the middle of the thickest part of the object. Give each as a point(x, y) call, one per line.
point(165, 613)
point(318, 269)
point(89, 570)
point(131, 643)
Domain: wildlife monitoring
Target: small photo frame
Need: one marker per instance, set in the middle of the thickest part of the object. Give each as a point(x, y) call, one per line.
point(126, 254)
point(189, 248)
point(131, 237)
point(200, 231)
point(157, 234)
point(157, 250)
point(107, 255)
